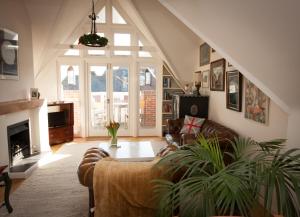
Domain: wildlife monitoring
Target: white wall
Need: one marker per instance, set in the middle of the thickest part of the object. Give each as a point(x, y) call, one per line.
point(13, 16)
point(294, 129)
point(260, 38)
point(275, 128)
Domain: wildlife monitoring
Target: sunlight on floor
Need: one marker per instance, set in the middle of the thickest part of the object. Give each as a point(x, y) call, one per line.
point(50, 158)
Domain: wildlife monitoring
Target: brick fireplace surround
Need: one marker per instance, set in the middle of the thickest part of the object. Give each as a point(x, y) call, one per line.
point(13, 112)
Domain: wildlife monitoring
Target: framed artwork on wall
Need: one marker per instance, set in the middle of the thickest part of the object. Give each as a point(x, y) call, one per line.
point(217, 75)
point(256, 103)
point(205, 79)
point(34, 93)
point(8, 54)
point(204, 54)
point(234, 90)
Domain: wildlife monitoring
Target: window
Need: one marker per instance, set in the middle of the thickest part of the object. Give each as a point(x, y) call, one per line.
point(122, 39)
point(72, 52)
point(101, 16)
point(143, 53)
point(116, 17)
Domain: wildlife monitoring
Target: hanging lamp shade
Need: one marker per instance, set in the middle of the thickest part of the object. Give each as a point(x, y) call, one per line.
point(93, 39)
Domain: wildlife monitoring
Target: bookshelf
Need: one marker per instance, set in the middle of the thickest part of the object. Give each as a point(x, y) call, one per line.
point(170, 86)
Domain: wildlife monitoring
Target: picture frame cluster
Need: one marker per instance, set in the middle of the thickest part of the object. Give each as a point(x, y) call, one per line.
point(220, 75)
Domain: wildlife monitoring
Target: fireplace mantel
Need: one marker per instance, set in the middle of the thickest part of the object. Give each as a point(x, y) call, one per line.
point(19, 105)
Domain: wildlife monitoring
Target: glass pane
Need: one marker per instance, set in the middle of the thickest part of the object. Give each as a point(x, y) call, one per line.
point(98, 99)
point(144, 54)
point(101, 16)
point(117, 18)
point(69, 78)
point(122, 39)
point(122, 52)
point(96, 52)
point(72, 52)
point(120, 95)
point(147, 97)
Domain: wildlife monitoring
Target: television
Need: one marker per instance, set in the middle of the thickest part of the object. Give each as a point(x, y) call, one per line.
point(57, 119)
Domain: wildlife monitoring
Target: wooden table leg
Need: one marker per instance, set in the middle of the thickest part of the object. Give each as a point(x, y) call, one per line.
point(7, 182)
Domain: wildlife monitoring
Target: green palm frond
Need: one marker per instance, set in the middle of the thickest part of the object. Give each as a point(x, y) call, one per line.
point(282, 177)
point(272, 145)
point(207, 186)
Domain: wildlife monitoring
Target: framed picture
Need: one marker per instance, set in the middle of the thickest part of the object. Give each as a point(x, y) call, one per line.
point(8, 54)
point(204, 54)
point(217, 75)
point(205, 79)
point(234, 90)
point(256, 103)
point(34, 93)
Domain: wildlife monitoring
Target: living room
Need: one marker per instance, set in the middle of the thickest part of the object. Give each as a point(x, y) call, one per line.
point(146, 40)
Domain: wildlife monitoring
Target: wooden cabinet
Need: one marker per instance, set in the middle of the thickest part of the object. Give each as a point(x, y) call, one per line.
point(192, 105)
point(60, 131)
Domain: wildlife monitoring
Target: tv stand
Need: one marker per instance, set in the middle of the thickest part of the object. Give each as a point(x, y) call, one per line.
point(63, 133)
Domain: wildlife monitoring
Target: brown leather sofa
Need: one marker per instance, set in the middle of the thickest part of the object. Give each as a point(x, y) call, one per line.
point(209, 129)
point(86, 170)
point(86, 167)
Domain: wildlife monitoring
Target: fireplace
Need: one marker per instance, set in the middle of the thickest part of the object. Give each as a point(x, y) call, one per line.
point(18, 142)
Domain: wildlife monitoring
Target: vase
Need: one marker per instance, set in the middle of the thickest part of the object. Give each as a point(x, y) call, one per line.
point(114, 141)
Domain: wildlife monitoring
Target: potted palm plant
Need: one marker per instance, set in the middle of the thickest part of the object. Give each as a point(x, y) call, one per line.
point(257, 174)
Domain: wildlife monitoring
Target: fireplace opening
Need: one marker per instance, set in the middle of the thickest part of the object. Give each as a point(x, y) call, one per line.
point(18, 142)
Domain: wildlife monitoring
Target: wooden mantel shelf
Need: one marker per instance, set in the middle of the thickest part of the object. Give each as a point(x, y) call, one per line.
point(19, 105)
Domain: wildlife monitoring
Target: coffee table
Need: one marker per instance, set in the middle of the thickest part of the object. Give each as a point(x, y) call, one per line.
point(130, 151)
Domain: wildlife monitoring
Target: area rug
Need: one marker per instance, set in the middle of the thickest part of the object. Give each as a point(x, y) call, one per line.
point(53, 189)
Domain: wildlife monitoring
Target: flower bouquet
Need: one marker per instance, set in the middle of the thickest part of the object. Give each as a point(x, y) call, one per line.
point(112, 128)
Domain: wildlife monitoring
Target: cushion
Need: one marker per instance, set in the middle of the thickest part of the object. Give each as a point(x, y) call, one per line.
point(192, 125)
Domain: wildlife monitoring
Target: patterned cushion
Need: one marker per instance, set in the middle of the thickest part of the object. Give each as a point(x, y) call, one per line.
point(192, 125)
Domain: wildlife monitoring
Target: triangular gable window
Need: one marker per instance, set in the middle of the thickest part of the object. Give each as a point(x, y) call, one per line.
point(116, 17)
point(101, 16)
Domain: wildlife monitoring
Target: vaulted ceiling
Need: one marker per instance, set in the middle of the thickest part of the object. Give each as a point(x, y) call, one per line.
point(260, 38)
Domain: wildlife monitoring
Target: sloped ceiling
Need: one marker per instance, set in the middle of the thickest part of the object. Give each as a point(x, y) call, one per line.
point(179, 44)
point(53, 21)
point(260, 38)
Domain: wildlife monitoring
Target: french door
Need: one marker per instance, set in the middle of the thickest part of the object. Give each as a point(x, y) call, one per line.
point(147, 95)
point(108, 98)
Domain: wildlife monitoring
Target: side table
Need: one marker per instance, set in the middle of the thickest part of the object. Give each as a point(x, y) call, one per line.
point(7, 183)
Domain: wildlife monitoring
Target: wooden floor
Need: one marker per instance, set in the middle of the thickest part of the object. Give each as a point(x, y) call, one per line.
point(54, 148)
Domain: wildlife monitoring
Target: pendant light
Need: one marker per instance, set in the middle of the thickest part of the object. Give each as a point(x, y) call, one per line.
point(93, 39)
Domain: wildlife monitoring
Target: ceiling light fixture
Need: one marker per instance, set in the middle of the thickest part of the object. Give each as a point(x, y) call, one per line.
point(93, 39)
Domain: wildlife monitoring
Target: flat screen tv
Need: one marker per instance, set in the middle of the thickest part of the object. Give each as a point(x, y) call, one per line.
point(57, 119)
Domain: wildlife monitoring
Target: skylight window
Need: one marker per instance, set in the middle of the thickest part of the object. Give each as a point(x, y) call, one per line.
point(101, 16)
point(116, 17)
